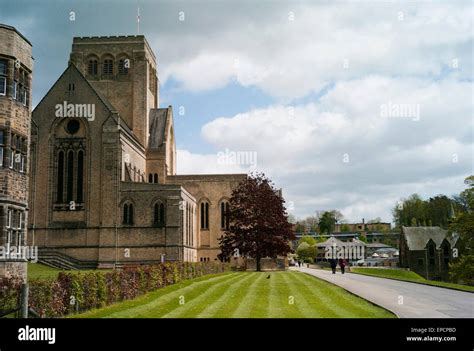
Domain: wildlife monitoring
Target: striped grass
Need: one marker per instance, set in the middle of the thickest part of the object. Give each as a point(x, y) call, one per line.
point(246, 295)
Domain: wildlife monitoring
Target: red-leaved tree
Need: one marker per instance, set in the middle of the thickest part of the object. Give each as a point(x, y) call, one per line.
point(259, 224)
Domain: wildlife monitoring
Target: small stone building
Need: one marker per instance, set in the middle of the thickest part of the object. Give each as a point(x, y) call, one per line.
point(427, 251)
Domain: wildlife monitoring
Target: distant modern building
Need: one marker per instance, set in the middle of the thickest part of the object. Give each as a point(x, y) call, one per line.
point(362, 227)
point(350, 250)
point(16, 68)
point(374, 247)
point(427, 251)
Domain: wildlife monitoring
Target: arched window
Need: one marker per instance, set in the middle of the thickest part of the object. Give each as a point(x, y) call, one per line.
point(159, 214)
point(80, 176)
point(108, 67)
point(155, 178)
point(60, 175)
point(204, 215)
point(150, 178)
point(224, 215)
point(127, 214)
point(70, 175)
point(92, 67)
point(123, 66)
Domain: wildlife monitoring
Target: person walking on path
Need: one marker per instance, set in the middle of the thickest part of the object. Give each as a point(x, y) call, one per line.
point(342, 264)
point(333, 263)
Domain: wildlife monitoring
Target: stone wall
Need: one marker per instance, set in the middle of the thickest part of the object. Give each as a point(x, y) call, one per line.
point(15, 120)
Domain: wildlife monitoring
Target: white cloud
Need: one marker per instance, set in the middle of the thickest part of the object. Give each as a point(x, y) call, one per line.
point(290, 59)
point(302, 147)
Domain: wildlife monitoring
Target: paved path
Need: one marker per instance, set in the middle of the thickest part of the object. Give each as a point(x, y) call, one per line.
point(419, 301)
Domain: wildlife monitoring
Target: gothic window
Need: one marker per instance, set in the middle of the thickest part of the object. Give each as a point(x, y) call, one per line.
point(60, 177)
point(204, 215)
point(69, 173)
point(159, 214)
point(70, 176)
point(92, 67)
point(224, 215)
point(155, 178)
point(80, 176)
point(150, 178)
point(3, 77)
point(123, 66)
point(127, 214)
point(108, 68)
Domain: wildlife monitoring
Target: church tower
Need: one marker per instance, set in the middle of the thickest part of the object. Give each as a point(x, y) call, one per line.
point(123, 70)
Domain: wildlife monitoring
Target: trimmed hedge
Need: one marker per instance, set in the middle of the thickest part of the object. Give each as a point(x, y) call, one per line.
point(73, 292)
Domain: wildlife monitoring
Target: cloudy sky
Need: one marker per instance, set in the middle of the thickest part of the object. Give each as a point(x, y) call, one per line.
point(347, 105)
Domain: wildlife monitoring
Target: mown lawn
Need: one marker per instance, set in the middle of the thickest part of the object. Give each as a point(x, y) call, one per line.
point(245, 295)
point(407, 276)
point(41, 271)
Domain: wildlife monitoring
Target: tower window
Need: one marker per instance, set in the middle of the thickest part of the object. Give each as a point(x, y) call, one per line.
point(92, 67)
point(159, 214)
point(155, 178)
point(123, 66)
point(3, 77)
point(150, 178)
point(108, 67)
point(128, 214)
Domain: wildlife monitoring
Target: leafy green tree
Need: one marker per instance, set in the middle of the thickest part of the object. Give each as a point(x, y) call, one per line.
point(462, 267)
point(306, 252)
point(307, 239)
point(327, 222)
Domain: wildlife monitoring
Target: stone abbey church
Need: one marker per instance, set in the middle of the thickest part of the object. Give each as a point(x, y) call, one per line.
point(103, 184)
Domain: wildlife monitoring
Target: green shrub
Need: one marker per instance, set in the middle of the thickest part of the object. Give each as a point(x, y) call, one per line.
point(76, 291)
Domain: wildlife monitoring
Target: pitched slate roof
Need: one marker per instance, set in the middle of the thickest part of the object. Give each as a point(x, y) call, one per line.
point(158, 121)
point(334, 241)
point(418, 237)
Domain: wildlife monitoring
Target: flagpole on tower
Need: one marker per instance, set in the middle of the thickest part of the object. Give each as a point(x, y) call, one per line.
point(138, 18)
